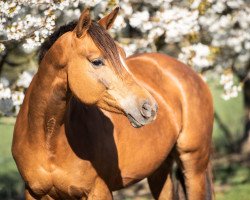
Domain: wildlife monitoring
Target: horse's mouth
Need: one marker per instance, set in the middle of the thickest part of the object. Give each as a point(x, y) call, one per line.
point(133, 121)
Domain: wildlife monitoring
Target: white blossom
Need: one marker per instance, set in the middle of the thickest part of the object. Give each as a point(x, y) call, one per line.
point(130, 48)
point(119, 23)
point(195, 4)
point(4, 92)
point(155, 33)
point(178, 22)
point(138, 18)
point(230, 89)
point(211, 37)
point(17, 98)
point(196, 55)
point(24, 79)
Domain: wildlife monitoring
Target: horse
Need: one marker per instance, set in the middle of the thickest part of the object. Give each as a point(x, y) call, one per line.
point(94, 121)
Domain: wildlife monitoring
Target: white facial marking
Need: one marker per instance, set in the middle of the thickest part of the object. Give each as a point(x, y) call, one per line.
point(124, 64)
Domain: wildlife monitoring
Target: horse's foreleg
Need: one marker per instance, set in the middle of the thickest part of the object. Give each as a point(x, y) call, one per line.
point(100, 191)
point(28, 195)
point(160, 182)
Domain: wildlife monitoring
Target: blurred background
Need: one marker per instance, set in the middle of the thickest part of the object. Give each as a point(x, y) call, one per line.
point(211, 36)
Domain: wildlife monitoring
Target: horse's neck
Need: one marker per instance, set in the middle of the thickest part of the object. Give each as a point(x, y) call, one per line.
point(47, 100)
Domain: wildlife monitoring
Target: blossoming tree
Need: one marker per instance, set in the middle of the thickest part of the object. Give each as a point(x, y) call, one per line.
point(212, 36)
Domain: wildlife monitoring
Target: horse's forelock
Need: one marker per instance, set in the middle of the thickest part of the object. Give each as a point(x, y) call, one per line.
point(106, 44)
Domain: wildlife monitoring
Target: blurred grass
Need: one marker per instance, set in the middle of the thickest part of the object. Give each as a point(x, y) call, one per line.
point(232, 180)
point(240, 192)
point(10, 182)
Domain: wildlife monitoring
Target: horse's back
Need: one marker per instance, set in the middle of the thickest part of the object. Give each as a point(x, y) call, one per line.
point(157, 68)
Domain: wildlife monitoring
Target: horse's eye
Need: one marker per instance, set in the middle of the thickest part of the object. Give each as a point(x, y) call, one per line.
point(97, 63)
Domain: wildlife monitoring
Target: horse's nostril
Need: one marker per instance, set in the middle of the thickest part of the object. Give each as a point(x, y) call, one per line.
point(149, 110)
point(146, 110)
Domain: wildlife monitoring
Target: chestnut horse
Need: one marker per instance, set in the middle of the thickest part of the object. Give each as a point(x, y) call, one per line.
point(72, 139)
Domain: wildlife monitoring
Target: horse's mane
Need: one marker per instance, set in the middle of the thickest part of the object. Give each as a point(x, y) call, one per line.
point(99, 35)
point(53, 37)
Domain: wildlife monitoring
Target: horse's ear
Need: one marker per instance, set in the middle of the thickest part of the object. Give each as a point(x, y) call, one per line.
point(83, 23)
point(107, 21)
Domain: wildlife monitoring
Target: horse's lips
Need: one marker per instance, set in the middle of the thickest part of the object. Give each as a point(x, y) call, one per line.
point(133, 121)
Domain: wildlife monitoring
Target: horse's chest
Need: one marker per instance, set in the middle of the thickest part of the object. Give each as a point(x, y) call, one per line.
point(70, 184)
point(61, 178)
point(60, 183)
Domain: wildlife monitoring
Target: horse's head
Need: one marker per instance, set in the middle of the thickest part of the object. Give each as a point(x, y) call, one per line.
point(98, 75)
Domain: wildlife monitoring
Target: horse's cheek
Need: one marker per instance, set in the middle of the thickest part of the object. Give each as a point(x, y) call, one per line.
point(83, 85)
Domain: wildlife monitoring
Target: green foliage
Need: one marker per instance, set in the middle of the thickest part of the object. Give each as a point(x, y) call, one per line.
point(232, 174)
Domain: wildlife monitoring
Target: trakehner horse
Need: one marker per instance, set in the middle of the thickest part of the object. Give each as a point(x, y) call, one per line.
point(71, 139)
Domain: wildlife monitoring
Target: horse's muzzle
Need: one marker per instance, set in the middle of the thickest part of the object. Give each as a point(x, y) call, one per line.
point(143, 115)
